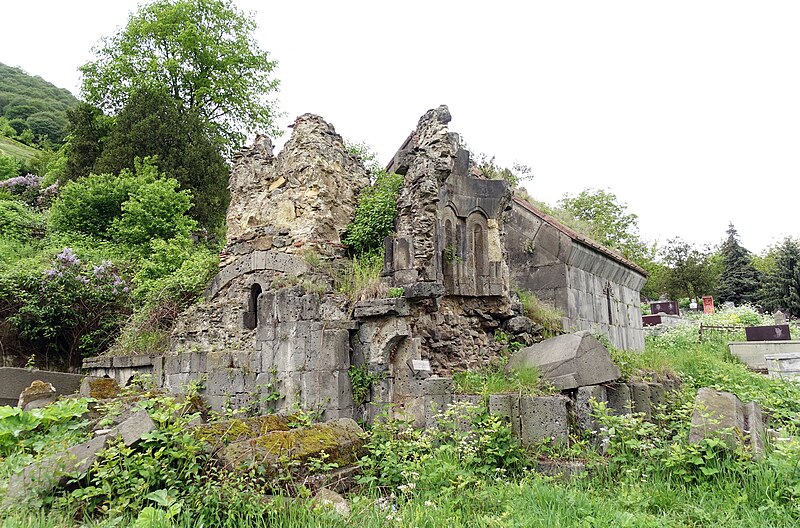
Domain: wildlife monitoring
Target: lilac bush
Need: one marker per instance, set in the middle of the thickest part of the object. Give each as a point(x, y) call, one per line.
point(73, 309)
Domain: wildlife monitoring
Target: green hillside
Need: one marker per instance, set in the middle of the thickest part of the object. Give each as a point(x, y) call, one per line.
point(32, 109)
point(15, 149)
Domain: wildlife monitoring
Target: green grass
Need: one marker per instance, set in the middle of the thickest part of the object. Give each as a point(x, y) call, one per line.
point(15, 149)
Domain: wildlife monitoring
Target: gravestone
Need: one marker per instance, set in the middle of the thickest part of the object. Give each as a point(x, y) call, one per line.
point(667, 307)
point(780, 318)
point(768, 333)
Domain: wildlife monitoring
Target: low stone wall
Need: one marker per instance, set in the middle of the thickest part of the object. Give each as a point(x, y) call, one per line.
point(535, 419)
point(14, 380)
point(752, 352)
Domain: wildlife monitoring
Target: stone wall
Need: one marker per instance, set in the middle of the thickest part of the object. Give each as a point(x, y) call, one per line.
point(595, 289)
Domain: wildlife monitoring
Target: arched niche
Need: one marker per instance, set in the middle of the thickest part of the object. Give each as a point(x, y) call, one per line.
point(251, 315)
point(478, 249)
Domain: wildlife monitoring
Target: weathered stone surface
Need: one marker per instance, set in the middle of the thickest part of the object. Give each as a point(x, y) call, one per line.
point(307, 193)
point(717, 414)
point(568, 361)
point(619, 398)
point(36, 395)
point(379, 307)
point(225, 432)
point(754, 427)
point(583, 406)
point(330, 499)
point(134, 427)
point(640, 399)
point(519, 325)
point(43, 477)
point(341, 439)
point(543, 418)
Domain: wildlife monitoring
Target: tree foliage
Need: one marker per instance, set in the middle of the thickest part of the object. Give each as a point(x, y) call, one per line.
point(201, 52)
point(610, 222)
point(88, 130)
point(691, 272)
point(782, 285)
point(152, 125)
point(738, 280)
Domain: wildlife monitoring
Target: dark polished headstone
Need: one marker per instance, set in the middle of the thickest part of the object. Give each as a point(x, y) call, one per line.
point(667, 307)
point(767, 333)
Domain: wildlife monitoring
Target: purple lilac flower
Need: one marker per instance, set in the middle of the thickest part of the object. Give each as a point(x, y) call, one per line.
point(29, 180)
point(68, 257)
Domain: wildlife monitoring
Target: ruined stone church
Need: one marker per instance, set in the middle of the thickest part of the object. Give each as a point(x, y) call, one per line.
point(274, 331)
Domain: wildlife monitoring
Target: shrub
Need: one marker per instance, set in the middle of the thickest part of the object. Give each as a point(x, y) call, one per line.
point(18, 222)
point(73, 309)
point(375, 214)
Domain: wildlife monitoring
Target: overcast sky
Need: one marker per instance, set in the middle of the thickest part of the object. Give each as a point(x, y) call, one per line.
point(689, 111)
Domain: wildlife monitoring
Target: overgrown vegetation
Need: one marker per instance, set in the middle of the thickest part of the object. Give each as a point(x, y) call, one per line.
point(375, 214)
point(467, 471)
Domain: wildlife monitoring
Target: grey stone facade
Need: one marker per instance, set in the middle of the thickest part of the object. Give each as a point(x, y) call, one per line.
point(596, 289)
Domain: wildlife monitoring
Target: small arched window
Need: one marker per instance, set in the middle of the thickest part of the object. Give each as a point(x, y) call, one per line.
point(251, 315)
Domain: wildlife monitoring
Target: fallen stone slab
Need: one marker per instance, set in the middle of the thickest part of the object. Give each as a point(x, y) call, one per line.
point(568, 361)
point(717, 414)
point(99, 388)
point(42, 477)
point(341, 440)
point(225, 432)
point(133, 428)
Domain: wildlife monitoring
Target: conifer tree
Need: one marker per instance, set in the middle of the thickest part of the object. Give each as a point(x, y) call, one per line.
point(782, 288)
point(739, 280)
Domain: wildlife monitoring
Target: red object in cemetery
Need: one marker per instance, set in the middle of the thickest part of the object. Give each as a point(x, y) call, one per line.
point(708, 304)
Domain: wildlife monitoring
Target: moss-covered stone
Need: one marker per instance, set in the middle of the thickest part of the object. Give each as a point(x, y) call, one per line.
point(99, 388)
point(224, 432)
point(340, 439)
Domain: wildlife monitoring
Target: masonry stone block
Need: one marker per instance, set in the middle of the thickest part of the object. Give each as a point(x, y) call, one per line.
point(619, 398)
point(172, 365)
point(437, 386)
point(310, 307)
point(583, 405)
point(658, 398)
point(543, 418)
point(214, 361)
point(568, 361)
point(288, 305)
point(503, 404)
point(381, 307)
point(640, 399)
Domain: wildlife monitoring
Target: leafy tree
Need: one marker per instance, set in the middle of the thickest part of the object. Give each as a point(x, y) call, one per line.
point(152, 125)
point(201, 52)
point(88, 130)
point(611, 224)
point(375, 214)
point(782, 284)
point(739, 280)
point(691, 272)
